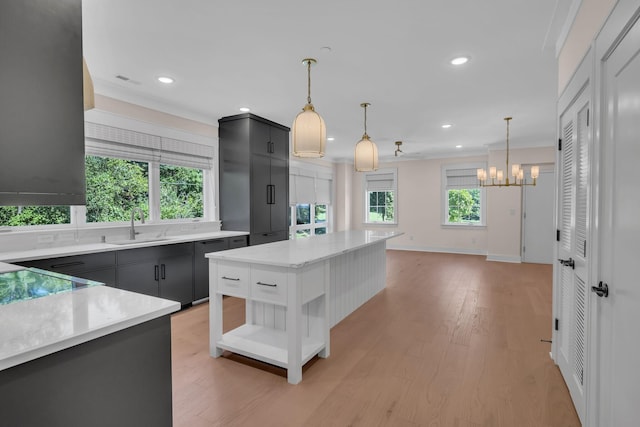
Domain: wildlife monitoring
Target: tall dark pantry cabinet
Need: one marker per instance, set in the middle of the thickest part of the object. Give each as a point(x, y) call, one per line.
point(254, 177)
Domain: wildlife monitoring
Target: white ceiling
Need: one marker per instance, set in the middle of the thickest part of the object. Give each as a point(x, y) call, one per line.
point(393, 54)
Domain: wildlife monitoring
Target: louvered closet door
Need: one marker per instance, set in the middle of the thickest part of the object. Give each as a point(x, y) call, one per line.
point(572, 248)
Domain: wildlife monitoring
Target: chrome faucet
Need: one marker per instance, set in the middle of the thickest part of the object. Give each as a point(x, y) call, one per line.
point(132, 231)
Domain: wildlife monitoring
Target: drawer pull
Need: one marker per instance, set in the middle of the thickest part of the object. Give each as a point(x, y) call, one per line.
point(235, 279)
point(272, 285)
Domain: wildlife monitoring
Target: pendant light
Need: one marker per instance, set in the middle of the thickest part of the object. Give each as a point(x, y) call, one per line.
point(309, 131)
point(366, 153)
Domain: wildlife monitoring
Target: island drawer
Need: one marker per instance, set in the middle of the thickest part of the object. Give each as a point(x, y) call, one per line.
point(269, 285)
point(233, 279)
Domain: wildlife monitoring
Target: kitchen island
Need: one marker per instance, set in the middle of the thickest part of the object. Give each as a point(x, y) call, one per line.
point(295, 291)
point(87, 354)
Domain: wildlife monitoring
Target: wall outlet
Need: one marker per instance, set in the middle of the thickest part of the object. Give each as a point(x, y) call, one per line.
point(410, 237)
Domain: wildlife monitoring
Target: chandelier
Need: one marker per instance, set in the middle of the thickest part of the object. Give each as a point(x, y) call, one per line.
point(309, 131)
point(497, 175)
point(366, 153)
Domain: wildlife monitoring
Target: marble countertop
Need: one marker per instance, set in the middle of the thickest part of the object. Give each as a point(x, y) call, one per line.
point(140, 242)
point(38, 327)
point(300, 252)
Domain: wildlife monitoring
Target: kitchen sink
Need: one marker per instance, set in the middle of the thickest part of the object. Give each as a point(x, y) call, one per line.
point(133, 242)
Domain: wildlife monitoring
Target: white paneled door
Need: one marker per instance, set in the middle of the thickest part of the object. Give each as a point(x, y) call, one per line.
point(572, 268)
point(618, 337)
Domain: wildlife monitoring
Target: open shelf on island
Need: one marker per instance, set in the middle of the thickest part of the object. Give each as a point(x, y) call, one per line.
point(266, 344)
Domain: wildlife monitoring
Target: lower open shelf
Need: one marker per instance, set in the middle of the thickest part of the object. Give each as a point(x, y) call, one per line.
point(266, 344)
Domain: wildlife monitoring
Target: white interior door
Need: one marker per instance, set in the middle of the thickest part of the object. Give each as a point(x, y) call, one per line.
point(538, 235)
point(571, 272)
point(619, 234)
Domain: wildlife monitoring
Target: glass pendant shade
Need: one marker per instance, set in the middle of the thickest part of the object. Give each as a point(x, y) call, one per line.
point(309, 133)
point(366, 155)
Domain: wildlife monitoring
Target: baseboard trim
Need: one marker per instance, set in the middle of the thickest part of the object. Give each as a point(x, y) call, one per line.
point(437, 250)
point(504, 258)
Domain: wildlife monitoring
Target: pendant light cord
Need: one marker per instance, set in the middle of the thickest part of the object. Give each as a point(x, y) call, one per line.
point(309, 82)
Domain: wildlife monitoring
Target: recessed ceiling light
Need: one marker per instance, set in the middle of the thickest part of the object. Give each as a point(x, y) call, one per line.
point(446, 125)
point(458, 146)
point(331, 138)
point(245, 109)
point(460, 60)
point(165, 79)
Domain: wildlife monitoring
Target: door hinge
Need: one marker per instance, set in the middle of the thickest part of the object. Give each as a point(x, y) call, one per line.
point(559, 144)
point(524, 249)
point(557, 325)
point(557, 235)
point(588, 117)
point(584, 248)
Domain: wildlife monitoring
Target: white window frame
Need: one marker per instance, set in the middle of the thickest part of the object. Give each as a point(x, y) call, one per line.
point(313, 225)
point(445, 194)
point(393, 187)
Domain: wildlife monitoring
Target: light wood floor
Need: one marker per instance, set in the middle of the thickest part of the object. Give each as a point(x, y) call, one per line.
point(453, 340)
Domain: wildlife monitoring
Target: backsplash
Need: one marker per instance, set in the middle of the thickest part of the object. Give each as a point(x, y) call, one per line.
point(18, 240)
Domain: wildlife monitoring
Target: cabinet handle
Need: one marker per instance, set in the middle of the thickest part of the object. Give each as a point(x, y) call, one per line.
point(209, 242)
point(235, 279)
point(67, 264)
point(271, 285)
point(162, 272)
point(156, 271)
point(271, 194)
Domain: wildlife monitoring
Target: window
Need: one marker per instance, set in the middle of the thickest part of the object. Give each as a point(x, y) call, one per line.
point(380, 196)
point(310, 219)
point(463, 199)
point(115, 187)
point(181, 192)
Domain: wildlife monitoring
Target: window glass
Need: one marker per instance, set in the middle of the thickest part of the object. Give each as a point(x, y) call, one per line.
point(464, 205)
point(15, 216)
point(381, 207)
point(321, 213)
point(181, 192)
point(303, 233)
point(303, 214)
point(115, 187)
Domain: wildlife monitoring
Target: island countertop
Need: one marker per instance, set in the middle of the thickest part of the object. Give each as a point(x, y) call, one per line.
point(300, 252)
point(42, 326)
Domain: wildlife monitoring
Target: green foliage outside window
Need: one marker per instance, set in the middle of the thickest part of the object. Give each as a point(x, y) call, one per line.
point(381, 207)
point(115, 187)
point(464, 205)
point(34, 215)
point(181, 194)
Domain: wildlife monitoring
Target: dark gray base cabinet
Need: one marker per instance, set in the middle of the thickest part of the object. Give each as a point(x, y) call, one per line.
point(122, 379)
point(100, 267)
point(162, 271)
point(201, 264)
point(179, 272)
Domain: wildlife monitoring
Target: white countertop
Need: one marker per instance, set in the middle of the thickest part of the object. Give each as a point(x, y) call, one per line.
point(38, 327)
point(142, 241)
point(300, 252)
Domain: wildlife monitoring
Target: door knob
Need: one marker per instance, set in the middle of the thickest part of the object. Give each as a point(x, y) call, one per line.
point(568, 262)
point(602, 290)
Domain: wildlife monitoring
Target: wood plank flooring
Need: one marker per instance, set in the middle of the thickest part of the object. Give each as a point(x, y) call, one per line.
point(453, 340)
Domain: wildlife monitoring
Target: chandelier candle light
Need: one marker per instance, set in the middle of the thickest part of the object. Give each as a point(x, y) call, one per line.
point(366, 153)
point(309, 131)
point(516, 171)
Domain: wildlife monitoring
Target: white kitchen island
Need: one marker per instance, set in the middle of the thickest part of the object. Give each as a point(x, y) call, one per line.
point(295, 291)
